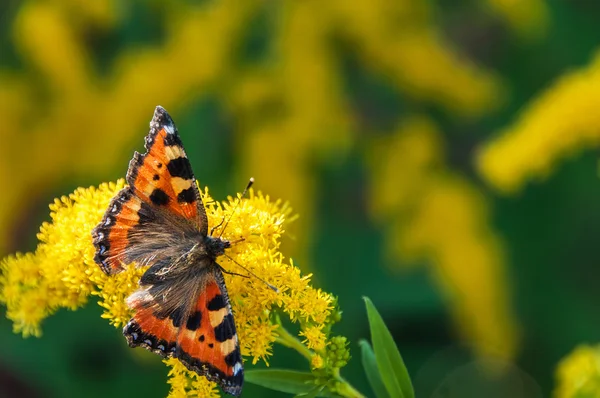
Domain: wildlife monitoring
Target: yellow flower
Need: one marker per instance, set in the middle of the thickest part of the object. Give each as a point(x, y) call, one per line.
point(578, 375)
point(314, 337)
point(185, 384)
point(62, 273)
point(317, 362)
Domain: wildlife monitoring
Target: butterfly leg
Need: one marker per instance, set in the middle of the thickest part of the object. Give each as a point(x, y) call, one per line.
point(231, 273)
point(212, 230)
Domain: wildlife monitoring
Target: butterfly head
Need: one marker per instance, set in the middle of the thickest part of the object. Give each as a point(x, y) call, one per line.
point(216, 246)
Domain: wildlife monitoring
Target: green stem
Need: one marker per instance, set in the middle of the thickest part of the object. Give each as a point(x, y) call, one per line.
point(346, 389)
point(287, 339)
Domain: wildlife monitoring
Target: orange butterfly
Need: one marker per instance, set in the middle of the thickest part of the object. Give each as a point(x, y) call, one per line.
point(181, 307)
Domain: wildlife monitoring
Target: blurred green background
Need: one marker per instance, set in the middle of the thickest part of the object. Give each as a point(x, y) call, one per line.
point(441, 155)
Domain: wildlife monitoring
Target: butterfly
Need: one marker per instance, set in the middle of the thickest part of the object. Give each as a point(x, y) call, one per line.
point(181, 308)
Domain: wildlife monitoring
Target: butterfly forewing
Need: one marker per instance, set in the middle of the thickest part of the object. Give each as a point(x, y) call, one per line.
point(161, 203)
point(163, 175)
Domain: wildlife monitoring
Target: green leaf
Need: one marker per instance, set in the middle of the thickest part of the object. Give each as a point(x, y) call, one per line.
point(371, 370)
point(312, 393)
point(289, 381)
point(389, 361)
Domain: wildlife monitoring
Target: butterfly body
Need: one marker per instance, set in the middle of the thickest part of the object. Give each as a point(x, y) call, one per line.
point(181, 308)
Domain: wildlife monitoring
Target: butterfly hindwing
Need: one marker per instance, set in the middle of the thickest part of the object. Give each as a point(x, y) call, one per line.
point(211, 345)
point(201, 334)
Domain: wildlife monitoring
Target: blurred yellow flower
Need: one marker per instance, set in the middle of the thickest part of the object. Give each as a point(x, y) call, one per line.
point(529, 18)
point(434, 214)
point(62, 273)
point(555, 125)
point(578, 375)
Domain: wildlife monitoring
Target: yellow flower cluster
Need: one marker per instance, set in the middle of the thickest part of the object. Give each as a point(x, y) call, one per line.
point(578, 375)
point(183, 382)
point(434, 214)
point(62, 273)
point(558, 123)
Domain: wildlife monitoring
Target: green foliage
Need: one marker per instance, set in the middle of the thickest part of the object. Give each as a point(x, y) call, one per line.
point(383, 367)
point(289, 381)
point(389, 362)
point(370, 364)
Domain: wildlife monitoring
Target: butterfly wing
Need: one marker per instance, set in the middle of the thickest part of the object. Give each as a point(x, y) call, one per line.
point(163, 175)
point(181, 308)
point(200, 333)
point(162, 200)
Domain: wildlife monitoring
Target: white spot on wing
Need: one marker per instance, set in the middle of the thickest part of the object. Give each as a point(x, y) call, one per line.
point(237, 367)
point(169, 128)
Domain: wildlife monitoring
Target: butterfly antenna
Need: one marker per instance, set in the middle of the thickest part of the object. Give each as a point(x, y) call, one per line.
point(250, 182)
point(254, 275)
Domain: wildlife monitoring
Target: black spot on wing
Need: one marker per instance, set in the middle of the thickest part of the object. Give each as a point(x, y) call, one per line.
point(193, 321)
point(159, 197)
point(201, 338)
point(156, 177)
point(233, 357)
point(172, 140)
point(146, 214)
point(225, 330)
point(177, 317)
point(187, 196)
point(180, 167)
point(217, 303)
